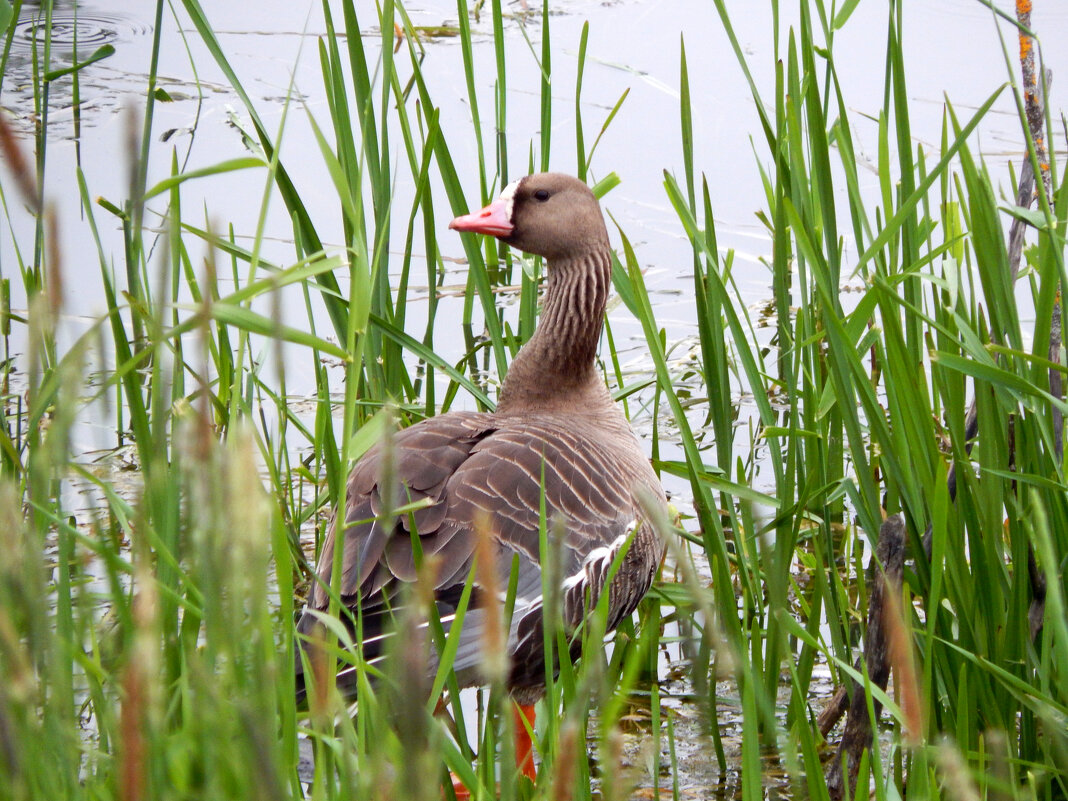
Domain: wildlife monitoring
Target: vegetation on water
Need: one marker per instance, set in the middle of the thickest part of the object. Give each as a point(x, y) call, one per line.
point(149, 653)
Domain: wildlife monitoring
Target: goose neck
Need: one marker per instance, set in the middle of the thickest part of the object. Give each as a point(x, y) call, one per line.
point(558, 364)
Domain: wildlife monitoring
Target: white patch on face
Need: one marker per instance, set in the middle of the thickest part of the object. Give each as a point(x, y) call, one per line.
point(508, 196)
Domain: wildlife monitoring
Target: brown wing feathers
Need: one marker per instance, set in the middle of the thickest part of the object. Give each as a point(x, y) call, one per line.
point(492, 471)
point(500, 471)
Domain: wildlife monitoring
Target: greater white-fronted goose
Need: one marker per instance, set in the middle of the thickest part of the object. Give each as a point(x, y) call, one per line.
point(556, 434)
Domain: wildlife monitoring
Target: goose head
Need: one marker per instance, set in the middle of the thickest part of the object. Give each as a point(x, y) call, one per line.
point(547, 214)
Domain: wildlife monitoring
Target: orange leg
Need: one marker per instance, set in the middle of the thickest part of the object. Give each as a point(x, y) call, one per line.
point(524, 748)
point(462, 793)
point(523, 717)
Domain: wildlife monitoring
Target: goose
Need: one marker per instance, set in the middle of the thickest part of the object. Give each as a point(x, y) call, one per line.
point(556, 438)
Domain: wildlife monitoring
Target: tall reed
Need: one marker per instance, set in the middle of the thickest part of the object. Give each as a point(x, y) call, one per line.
point(873, 398)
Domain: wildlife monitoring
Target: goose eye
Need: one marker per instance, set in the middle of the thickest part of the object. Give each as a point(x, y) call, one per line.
point(542, 195)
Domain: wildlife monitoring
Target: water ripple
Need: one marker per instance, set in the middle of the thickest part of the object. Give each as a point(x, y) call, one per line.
point(89, 29)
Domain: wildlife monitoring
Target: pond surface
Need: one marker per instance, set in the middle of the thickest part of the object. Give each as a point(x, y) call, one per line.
point(953, 50)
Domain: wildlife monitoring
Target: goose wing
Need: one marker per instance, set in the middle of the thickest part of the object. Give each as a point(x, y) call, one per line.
point(466, 470)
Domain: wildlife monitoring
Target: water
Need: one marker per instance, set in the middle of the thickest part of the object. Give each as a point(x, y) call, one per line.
point(953, 51)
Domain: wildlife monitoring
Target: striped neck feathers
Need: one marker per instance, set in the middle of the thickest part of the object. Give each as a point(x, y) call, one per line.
point(556, 368)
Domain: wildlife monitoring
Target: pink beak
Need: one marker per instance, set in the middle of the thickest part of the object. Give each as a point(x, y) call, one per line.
point(493, 220)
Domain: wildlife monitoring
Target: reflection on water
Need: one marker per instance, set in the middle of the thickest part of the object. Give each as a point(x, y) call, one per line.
point(72, 29)
point(72, 34)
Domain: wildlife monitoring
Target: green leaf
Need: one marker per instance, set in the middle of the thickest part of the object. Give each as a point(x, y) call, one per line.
point(605, 185)
point(844, 13)
point(370, 433)
point(98, 55)
point(718, 482)
point(218, 169)
point(255, 323)
point(1020, 388)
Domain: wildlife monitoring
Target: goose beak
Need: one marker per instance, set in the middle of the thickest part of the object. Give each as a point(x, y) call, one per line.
point(494, 220)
